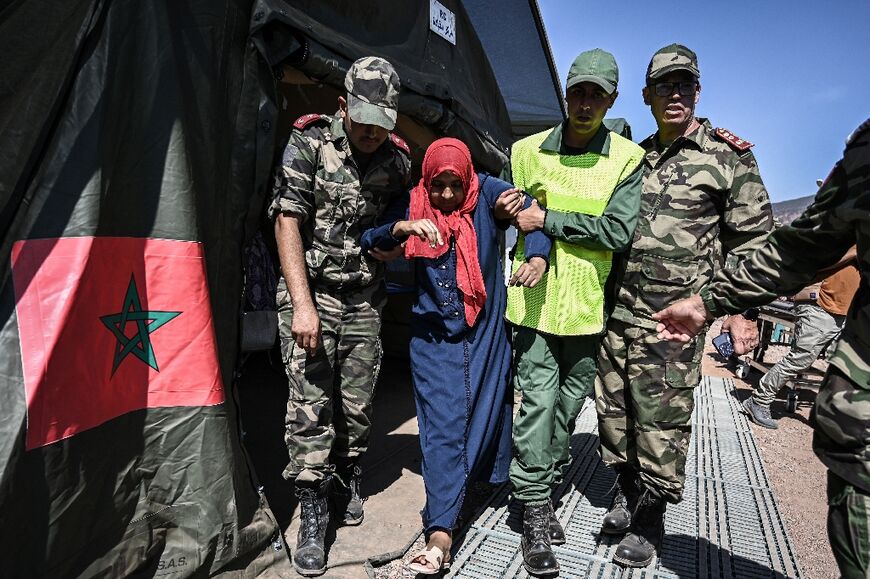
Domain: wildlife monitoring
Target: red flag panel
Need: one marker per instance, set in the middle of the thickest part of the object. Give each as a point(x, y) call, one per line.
point(109, 325)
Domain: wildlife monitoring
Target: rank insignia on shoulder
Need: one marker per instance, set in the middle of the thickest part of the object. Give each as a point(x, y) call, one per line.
point(399, 142)
point(305, 120)
point(736, 142)
point(858, 132)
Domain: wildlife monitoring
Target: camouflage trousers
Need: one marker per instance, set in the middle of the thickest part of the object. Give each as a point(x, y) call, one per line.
point(329, 408)
point(841, 421)
point(644, 398)
point(555, 375)
point(849, 527)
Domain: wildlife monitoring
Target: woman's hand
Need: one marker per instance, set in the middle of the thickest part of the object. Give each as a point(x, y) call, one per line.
point(529, 273)
point(422, 228)
point(508, 204)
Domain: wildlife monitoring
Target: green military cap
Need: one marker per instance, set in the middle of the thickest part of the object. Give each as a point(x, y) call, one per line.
point(372, 92)
point(597, 66)
point(670, 58)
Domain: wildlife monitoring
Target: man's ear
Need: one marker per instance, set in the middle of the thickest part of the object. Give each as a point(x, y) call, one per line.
point(698, 93)
point(613, 96)
point(342, 106)
point(645, 93)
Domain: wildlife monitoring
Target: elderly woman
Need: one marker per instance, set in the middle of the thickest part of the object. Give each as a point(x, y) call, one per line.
point(460, 353)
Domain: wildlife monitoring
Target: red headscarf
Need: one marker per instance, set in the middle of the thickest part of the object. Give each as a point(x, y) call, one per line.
point(451, 155)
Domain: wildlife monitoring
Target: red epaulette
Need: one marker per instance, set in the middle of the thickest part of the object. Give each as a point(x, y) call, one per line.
point(305, 120)
point(399, 142)
point(736, 142)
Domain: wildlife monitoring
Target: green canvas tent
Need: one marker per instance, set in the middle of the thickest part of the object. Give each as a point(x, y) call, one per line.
point(137, 142)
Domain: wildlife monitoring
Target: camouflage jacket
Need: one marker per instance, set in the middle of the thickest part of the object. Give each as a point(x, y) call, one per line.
point(319, 182)
point(703, 200)
point(793, 255)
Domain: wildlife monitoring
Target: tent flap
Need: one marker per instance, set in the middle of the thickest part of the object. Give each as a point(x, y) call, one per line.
point(148, 124)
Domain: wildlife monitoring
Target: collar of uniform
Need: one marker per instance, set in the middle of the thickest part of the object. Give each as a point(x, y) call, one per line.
point(600, 143)
point(336, 127)
point(698, 138)
point(700, 135)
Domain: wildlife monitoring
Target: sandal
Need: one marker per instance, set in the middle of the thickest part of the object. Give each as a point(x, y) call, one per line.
point(434, 561)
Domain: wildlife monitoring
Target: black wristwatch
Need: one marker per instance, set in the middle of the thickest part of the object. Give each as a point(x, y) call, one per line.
point(751, 314)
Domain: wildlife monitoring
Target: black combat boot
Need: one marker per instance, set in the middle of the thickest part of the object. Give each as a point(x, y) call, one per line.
point(557, 533)
point(309, 559)
point(346, 495)
point(618, 518)
point(639, 547)
point(538, 557)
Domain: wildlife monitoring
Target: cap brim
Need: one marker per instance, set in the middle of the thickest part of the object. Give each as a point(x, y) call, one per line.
point(369, 114)
point(607, 86)
point(674, 67)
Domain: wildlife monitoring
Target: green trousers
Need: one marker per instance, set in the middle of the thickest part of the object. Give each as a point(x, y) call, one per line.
point(849, 527)
point(554, 375)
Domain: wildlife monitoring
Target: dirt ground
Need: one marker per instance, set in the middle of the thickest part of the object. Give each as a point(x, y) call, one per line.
point(796, 475)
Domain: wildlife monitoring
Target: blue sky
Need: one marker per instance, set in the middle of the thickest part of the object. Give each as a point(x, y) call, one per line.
point(791, 77)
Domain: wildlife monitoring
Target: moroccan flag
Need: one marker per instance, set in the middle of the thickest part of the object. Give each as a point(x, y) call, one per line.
point(109, 325)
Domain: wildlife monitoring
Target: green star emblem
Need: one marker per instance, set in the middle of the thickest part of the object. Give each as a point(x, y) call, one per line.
point(147, 322)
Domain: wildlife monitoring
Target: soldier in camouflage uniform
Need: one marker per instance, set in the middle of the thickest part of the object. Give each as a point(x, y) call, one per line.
point(338, 176)
point(703, 200)
point(790, 260)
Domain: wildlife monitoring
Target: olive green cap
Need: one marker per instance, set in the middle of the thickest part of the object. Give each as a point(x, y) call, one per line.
point(597, 66)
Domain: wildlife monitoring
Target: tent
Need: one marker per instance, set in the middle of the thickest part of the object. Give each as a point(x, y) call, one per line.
point(527, 76)
point(137, 143)
point(133, 138)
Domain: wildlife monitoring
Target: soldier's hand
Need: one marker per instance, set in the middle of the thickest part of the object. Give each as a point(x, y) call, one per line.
point(530, 219)
point(744, 333)
point(305, 328)
point(508, 204)
point(529, 273)
point(681, 321)
point(387, 254)
point(422, 228)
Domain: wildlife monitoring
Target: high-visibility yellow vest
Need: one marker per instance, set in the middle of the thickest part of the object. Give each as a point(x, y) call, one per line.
point(569, 299)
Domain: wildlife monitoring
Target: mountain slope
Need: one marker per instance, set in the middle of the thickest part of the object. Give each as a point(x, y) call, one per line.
point(786, 211)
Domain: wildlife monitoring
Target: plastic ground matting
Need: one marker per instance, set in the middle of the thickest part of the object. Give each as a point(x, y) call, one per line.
point(728, 524)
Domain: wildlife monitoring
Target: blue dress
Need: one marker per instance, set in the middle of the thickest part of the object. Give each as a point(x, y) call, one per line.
point(461, 375)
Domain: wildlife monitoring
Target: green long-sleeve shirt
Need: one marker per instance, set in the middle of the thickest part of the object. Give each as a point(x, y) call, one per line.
point(613, 230)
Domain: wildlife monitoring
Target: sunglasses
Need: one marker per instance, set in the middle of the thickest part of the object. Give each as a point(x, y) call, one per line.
point(685, 88)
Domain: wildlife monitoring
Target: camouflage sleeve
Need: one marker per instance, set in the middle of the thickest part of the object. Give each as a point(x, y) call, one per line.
point(790, 258)
point(613, 230)
point(842, 427)
point(293, 189)
point(747, 217)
